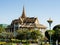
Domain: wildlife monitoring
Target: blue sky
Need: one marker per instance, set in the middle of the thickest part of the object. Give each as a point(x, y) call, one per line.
point(43, 9)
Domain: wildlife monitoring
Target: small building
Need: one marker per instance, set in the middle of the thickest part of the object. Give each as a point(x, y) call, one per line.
point(24, 22)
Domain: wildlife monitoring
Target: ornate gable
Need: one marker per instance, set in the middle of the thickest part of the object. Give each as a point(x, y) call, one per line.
point(29, 20)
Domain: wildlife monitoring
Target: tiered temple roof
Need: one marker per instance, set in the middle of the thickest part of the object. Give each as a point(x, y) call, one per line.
point(25, 21)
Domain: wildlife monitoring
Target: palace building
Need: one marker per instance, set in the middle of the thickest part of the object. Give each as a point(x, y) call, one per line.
point(24, 22)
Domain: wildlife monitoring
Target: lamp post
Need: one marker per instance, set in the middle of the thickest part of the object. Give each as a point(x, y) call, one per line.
point(50, 22)
point(50, 33)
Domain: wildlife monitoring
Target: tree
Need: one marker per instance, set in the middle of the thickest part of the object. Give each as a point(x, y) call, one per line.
point(21, 34)
point(57, 32)
point(48, 33)
point(2, 28)
point(28, 34)
point(35, 34)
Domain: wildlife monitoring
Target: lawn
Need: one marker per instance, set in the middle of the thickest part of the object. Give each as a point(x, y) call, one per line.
point(2, 43)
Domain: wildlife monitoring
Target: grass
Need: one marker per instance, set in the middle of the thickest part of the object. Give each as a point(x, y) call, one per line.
point(2, 42)
point(26, 44)
point(14, 44)
point(11, 43)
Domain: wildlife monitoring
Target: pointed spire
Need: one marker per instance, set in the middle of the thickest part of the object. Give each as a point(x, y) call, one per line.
point(23, 13)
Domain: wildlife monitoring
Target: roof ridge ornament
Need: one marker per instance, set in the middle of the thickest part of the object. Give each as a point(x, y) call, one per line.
point(23, 13)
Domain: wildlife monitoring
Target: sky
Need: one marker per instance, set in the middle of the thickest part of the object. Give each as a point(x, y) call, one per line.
point(42, 9)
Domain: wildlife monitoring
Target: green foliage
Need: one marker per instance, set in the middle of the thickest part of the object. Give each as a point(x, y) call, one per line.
point(35, 34)
point(49, 32)
point(28, 34)
point(57, 32)
point(2, 29)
